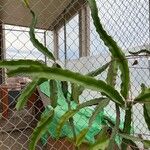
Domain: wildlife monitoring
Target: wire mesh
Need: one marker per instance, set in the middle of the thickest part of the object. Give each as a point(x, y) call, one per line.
point(68, 31)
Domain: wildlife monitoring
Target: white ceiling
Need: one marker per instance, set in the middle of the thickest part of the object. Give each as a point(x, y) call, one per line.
point(14, 13)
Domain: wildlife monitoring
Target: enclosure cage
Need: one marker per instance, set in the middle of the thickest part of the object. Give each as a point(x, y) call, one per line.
point(66, 28)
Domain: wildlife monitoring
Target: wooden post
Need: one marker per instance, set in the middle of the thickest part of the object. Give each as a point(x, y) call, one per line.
point(32, 99)
point(4, 101)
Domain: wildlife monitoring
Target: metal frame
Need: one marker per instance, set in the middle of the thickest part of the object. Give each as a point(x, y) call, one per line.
point(2, 53)
point(68, 13)
point(82, 9)
point(84, 32)
point(55, 42)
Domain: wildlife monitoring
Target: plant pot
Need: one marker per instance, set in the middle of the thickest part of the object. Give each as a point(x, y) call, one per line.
point(63, 144)
point(12, 97)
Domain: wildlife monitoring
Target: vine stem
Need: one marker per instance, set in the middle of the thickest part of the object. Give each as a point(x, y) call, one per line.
point(71, 122)
point(115, 129)
point(127, 126)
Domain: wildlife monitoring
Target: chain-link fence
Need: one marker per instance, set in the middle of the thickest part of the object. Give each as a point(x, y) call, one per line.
point(66, 28)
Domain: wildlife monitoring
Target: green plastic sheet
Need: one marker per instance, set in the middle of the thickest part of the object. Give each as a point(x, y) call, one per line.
point(81, 119)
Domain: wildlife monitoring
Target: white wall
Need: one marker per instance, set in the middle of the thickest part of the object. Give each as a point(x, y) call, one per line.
point(138, 76)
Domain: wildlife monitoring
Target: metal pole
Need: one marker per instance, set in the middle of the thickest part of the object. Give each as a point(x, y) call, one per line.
point(65, 43)
point(7, 29)
point(55, 46)
point(1, 52)
point(45, 44)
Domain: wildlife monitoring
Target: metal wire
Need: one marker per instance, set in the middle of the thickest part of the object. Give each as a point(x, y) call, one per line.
point(128, 22)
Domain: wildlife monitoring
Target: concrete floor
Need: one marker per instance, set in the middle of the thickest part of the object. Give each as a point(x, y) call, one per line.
point(15, 131)
point(17, 140)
